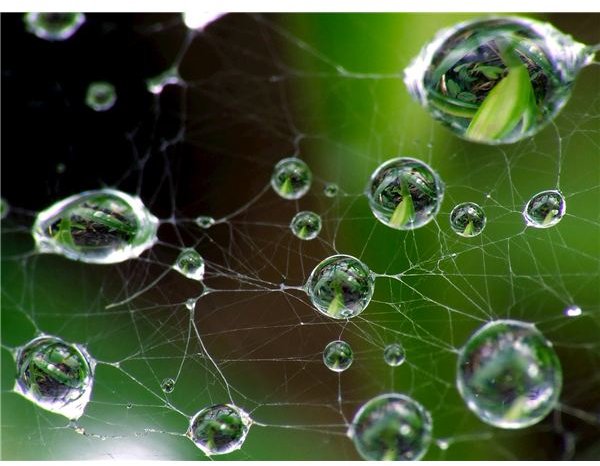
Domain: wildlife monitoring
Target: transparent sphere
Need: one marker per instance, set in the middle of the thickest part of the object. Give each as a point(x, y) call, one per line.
point(55, 375)
point(331, 190)
point(306, 225)
point(496, 80)
point(509, 375)
point(53, 26)
point(545, 209)
point(391, 427)
point(205, 222)
point(100, 96)
point(405, 193)
point(467, 219)
point(219, 429)
point(291, 178)
point(100, 227)
point(340, 286)
point(167, 385)
point(190, 264)
point(338, 356)
point(394, 354)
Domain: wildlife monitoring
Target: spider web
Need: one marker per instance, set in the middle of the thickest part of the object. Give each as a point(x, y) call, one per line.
point(253, 89)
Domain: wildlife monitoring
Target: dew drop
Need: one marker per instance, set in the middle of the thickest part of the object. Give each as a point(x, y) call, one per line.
point(100, 96)
point(167, 385)
point(405, 193)
point(394, 354)
point(306, 225)
point(331, 190)
point(391, 427)
point(204, 221)
point(190, 264)
point(467, 219)
point(573, 311)
point(156, 84)
point(291, 178)
point(55, 375)
point(340, 286)
point(509, 374)
point(338, 356)
point(219, 429)
point(100, 227)
point(198, 19)
point(496, 80)
point(545, 209)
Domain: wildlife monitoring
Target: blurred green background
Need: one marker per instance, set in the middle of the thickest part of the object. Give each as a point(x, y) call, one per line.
point(257, 88)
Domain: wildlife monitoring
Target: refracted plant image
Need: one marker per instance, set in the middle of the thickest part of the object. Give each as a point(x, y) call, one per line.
point(368, 236)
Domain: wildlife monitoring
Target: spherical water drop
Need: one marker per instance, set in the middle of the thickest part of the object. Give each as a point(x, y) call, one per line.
point(340, 286)
point(205, 222)
point(291, 178)
point(190, 264)
point(53, 26)
point(219, 429)
point(545, 209)
point(496, 80)
point(55, 375)
point(391, 427)
point(467, 219)
point(100, 227)
point(405, 193)
point(331, 190)
point(167, 385)
point(509, 374)
point(190, 304)
point(338, 356)
point(306, 225)
point(100, 96)
point(394, 354)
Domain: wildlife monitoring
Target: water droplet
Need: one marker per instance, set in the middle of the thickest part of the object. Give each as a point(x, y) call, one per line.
point(405, 193)
point(331, 190)
point(545, 209)
point(129, 405)
point(338, 356)
point(467, 219)
point(55, 375)
point(219, 429)
point(306, 225)
point(197, 19)
point(190, 304)
point(394, 354)
point(100, 96)
point(291, 178)
point(167, 385)
point(509, 375)
point(190, 264)
point(156, 84)
point(573, 311)
point(100, 227)
point(340, 286)
point(391, 427)
point(53, 26)
point(496, 80)
point(205, 222)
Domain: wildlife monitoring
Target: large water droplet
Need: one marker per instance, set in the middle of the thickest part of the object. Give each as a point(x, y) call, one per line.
point(338, 356)
point(219, 429)
point(509, 375)
point(545, 209)
point(55, 375)
point(291, 178)
point(53, 26)
point(100, 227)
point(496, 80)
point(405, 193)
point(306, 225)
point(340, 286)
point(391, 427)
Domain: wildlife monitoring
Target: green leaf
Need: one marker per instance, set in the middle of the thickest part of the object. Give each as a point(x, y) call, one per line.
point(286, 187)
point(468, 231)
point(505, 106)
point(336, 305)
point(467, 96)
point(405, 210)
point(490, 72)
point(453, 88)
